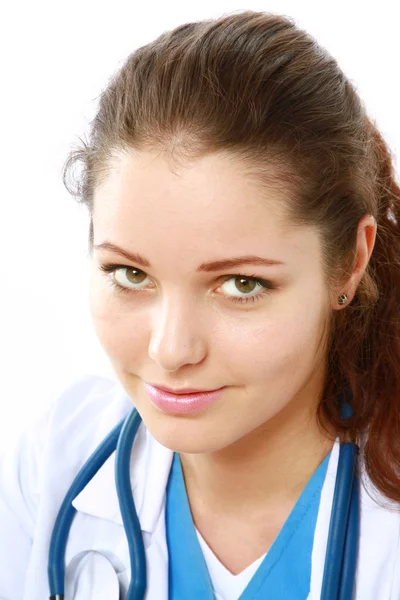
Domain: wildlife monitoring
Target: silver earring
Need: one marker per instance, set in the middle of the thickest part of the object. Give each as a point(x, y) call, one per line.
point(342, 299)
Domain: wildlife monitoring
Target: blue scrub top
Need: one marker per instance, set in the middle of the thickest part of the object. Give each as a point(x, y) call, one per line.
point(285, 572)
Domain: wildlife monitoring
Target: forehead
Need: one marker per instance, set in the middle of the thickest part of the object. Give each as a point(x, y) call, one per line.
point(212, 200)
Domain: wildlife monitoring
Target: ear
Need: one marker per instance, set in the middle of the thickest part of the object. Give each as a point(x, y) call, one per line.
point(366, 236)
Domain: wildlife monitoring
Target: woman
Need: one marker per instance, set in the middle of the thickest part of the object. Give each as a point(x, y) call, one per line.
point(243, 238)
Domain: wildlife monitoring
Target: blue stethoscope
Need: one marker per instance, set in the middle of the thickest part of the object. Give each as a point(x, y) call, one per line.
point(342, 547)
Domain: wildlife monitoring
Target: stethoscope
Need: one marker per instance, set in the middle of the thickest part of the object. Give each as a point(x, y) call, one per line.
point(342, 546)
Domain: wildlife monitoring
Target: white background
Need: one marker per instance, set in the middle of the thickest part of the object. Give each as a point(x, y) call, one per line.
point(55, 59)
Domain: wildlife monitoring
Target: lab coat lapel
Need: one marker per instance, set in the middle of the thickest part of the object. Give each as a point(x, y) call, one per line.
point(157, 563)
point(149, 466)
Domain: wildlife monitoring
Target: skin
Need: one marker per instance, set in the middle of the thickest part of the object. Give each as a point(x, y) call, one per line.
point(247, 457)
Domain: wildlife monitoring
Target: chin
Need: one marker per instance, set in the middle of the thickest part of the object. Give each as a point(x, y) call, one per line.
point(182, 434)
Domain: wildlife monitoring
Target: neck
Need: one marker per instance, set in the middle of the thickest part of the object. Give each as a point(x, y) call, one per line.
point(268, 466)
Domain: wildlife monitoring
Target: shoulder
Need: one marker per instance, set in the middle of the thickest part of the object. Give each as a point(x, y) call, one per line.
point(62, 431)
point(66, 430)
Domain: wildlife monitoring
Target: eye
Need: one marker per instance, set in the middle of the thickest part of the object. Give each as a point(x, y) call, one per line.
point(133, 278)
point(246, 284)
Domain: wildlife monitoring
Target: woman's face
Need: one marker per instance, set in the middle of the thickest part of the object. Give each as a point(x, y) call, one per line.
point(178, 326)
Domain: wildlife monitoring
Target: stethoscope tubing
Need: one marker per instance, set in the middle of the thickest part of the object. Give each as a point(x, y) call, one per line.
point(56, 561)
point(338, 578)
point(137, 555)
point(339, 575)
point(352, 544)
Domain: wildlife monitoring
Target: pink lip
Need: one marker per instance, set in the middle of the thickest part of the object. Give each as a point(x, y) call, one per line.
point(181, 403)
point(181, 391)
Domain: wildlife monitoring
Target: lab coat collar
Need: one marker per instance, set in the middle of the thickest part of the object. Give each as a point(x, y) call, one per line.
point(150, 467)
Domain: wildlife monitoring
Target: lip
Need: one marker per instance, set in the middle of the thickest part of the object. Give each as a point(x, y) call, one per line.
point(182, 404)
point(164, 388)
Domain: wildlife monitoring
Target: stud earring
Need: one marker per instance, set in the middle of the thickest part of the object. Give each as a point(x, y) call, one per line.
point(342, 299)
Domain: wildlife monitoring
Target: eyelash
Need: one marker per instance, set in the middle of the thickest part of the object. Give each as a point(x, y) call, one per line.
point(268, 286)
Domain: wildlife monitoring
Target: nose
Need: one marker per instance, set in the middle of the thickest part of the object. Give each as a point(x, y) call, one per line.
point(177, 334)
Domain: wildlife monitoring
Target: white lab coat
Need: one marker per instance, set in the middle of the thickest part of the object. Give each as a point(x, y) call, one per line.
point(36, 474)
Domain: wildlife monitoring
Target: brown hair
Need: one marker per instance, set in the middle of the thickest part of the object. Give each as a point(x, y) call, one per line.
point(254, 85)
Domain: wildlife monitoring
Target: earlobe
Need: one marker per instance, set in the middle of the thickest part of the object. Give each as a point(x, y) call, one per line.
point(338, 301)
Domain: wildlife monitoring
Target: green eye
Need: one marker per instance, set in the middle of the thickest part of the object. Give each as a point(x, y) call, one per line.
point(244, 284)
point(247, 284)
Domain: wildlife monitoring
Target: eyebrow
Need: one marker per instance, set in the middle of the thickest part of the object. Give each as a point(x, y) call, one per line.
point(208, 267)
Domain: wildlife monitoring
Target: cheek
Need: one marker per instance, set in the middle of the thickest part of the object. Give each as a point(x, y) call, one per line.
point(121, 331)
point(280, 347)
